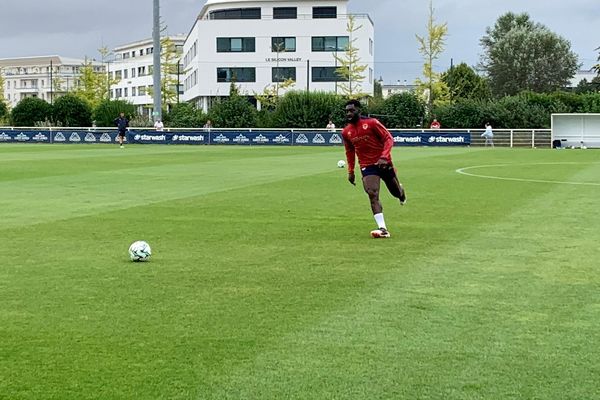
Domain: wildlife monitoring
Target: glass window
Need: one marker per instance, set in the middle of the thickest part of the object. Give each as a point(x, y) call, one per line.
point(330, 43)
point(133, 72)
point(236, 13)
point(325, 74)
point(324, 12)
point(236, 45)
point(279, 44)
point(236, 74)
point(281, 74)
point(285, 13)
point(125, 72)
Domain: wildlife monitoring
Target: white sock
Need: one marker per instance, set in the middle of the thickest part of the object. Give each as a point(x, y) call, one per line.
point(380, 221)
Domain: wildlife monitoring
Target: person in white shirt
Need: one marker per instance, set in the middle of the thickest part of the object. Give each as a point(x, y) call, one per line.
point(331, 126)
point(158, 125)
point(488, 135)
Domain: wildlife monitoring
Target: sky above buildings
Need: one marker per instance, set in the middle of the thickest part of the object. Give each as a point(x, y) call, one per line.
point(77, 28)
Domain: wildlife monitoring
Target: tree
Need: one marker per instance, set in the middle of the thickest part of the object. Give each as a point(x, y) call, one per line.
point(350, 70)
point(31, 110)
point(1, 85)
point(270, 95)
point(234, 112)
point(464, 83)
point(3, 110)
point(169, 71)
point(433, 89)
point(108, 110)
point(522, 55)
point(597, 66)
point(185, 115)
point(93, 85)
point(70, 110)
point(403, 110)
point(299, 109)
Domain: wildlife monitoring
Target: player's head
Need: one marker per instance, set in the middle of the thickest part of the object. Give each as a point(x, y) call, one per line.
point(353, 110)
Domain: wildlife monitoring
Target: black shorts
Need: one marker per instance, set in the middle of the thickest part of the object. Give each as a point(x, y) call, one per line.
point(122, 133)
point(383, 173)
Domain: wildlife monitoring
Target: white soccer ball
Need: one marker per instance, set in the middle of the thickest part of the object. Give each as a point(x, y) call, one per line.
point(583, 147)
point(139, 251)
point(341, 164)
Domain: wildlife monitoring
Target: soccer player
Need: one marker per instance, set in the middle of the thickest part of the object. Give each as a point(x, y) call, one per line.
point(122, 124)
point(372, 143)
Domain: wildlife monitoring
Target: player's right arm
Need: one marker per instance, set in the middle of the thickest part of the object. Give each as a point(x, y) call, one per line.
point(350, 157)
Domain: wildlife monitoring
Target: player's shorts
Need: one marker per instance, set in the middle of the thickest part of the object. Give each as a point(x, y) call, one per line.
point(122, 133)
point(383, 173)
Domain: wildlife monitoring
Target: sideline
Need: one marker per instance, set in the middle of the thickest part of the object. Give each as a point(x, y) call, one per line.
point(462, 172)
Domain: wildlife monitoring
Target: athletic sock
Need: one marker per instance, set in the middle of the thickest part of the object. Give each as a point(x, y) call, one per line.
point(380, 221)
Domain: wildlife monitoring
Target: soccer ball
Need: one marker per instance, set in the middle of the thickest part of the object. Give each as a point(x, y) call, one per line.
point(583, 147)
point(139, 251)
point(341, 164)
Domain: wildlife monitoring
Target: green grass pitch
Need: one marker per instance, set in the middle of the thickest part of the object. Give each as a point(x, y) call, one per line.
point(265, 284)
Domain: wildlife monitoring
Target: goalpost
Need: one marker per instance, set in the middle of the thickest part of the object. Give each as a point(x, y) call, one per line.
point(578, 130)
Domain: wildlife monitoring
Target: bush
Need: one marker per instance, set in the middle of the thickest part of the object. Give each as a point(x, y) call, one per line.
point(313, 110)
point(108, 110)
point(3, 110)
point(31, 110)
point(185, 115)
point(404, 110)
point(70, 110)
point(233, 112)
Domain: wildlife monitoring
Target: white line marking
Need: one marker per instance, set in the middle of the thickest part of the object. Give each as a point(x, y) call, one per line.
point(462, 172)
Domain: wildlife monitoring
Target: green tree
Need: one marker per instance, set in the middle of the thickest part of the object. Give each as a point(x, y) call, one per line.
point(299, 109)
point(93, 85)
point(402, 110)
point(3, 110)
point(464, 83)
point(433, 89)
point(350, 70)
point(522, 55)
point(70, 110)
point(234, 112)
point(185, 115)
point(597, 66)
point(169, 65)
point(2, 82)
point(106, 112)
point(270, 95)
point(30, 111)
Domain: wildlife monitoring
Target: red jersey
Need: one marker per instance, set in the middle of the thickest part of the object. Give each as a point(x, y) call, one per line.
point(369, 140)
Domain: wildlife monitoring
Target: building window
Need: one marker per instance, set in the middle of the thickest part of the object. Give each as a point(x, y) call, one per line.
point(133, 53)
point(125, 72)
point(118, 93)
point(149, 50)
point(133, 72)
point(125, 92)
point(370, 75)
point(370, 46)
point(141, 71)
point(283, 44)
point(236, 45)
point(236, 13)
point(141, 52)
point(236, 74)
point(150, 69)
point(324, 12)
point(285, 12)
point(118, 75)
point(330, 43)
point(125, 55)
point(133, 91)
point(141, 90)
point(282, 74)
point(326, 74)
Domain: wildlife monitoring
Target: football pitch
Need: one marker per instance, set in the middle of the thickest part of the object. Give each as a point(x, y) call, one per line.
point(265, 284)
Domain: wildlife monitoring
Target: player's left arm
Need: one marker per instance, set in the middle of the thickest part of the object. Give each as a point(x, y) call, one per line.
point(385, 159)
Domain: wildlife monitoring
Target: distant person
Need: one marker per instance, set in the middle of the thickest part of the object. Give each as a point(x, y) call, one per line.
point(208, 125)
point(159, 126)
point(488, 134)
point(122, 123)
point(435, 124)
point(330, 126)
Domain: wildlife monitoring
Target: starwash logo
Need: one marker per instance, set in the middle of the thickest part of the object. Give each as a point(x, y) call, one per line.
point(335, 139)
point(260, 139)
point(188, 138)
point(21, 137)
point(445, 139)
point(302, 138)
point(241, 139)
point(151, 138)
point(281, 139)
point(89, 137)
point(74, 137)
point(40, 137)
point(221, 139)
point(407, 139)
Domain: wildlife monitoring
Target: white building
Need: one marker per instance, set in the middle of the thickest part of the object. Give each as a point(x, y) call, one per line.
point(31, 76)
point(132, 66)
point(390, 89)
point(259, 43)
point(582, 74)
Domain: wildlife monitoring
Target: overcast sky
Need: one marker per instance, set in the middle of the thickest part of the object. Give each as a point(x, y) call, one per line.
point(77, 28)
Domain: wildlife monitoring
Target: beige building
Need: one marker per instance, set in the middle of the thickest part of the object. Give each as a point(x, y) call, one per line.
point(31, 77)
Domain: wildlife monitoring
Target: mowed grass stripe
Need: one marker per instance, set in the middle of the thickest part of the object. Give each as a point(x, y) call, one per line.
point(486, 317)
